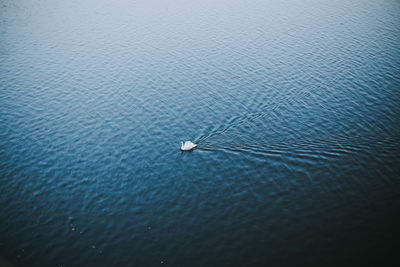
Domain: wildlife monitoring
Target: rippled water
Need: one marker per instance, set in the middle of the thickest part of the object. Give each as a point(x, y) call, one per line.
point(294, 106)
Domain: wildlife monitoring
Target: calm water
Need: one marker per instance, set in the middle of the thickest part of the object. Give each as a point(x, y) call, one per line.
point(295, 106)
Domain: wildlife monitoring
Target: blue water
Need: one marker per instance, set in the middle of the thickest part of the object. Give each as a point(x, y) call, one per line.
point(294, 105)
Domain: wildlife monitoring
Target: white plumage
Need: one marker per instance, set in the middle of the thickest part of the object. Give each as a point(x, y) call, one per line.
point(187, 146)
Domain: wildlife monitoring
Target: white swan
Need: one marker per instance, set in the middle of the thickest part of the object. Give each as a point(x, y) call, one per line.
point(187, 146)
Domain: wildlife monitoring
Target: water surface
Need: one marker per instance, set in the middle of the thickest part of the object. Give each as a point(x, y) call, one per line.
point(294, 106)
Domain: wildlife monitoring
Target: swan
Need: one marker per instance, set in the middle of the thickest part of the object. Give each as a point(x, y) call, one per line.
point(187, 146)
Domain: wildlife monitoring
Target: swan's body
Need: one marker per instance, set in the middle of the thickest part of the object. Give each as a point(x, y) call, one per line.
point(187, 146)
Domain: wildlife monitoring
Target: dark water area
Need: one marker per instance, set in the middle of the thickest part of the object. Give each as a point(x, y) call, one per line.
point(294, 105)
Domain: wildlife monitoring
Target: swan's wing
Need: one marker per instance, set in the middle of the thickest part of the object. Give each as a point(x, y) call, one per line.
point(185, 145)
point(192, 145)
point(188, 145)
